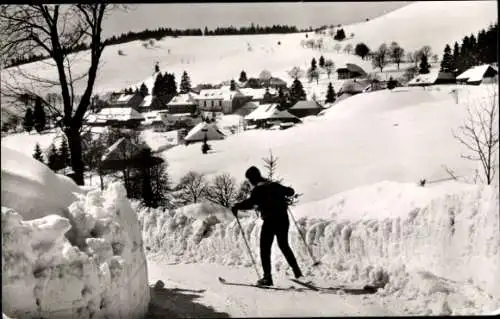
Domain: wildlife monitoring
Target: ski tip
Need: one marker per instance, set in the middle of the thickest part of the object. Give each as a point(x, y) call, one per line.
point(221, 279)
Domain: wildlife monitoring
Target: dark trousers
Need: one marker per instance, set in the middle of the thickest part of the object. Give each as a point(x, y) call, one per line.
point(270, 228)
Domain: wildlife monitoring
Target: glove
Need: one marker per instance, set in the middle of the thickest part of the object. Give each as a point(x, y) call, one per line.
point(235, 211)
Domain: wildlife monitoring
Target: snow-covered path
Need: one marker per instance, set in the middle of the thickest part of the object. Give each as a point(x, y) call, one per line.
point(192, 290)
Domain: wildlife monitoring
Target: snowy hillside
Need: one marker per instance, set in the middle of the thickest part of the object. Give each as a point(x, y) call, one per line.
point(436, 248)
point(433, 23)
point(212, 59)
point(402, 135)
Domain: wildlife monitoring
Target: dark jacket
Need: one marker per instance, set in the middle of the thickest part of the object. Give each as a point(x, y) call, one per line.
point(270, 199)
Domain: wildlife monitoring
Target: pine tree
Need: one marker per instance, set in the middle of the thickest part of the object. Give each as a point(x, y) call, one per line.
point(28, 121)
point(157, 86)
point(185, 83)
point(313, 64)
point(38, 153)
point(144, 90)
point(424, 65)
point(447, 64)
point(64, 154)
point(456, 56)
point(330, 94)
point(322, 61)
point(297, 91)
point(53, 158)
point(40, 119)
point(243, 77)
point(157, 67)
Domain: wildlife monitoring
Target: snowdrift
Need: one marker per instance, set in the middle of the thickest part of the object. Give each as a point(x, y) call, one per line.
point(67, 253)
point(32, 189)
point(420, 241)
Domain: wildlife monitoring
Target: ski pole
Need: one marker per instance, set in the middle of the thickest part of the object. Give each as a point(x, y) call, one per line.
point(248, 247)
point(315, 263)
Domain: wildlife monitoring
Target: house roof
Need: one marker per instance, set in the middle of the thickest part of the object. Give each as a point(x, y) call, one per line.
point(119, 113)
point(182, 99)
point(425, 79)
point(352, 68)
point(476, 73)
point(306, 105)
point(223, 93)
point(146, 102)
point(263, 111)
point(351, 86)
point(282, 115)
point(197, 133)
point(256, 94)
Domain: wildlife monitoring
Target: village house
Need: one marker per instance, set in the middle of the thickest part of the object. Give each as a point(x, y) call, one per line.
point(305, 108)
point(350, 71)
point(261, 95)
point(269, 114)
point(222, 100)
point(478, 74)
point(425, 79)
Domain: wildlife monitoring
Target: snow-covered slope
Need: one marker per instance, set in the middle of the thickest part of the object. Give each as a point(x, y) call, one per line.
point(402, 135)
point(437, 248)
point(214, 59)
point(433, 23)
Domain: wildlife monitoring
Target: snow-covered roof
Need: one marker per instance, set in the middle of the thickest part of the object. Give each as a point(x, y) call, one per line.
point(198, 132)
point(223, 93)
point(306, 105)
point(146, 102)
point(475, 73)
point(425, 79)
point(124, 98)
point(182, 99)
point(119, 113)
point(263, 111)
point(256, 94)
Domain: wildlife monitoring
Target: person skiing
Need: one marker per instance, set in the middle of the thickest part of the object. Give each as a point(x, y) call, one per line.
point(271, 199)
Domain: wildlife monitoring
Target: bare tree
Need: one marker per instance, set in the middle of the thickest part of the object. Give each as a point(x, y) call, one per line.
point(397, 53)
point(223, 190)
point(348, 48)
point(435, 58)
point(380, 57)
point(57, 30)
point(427, 51)
point(313, 74)
point(192, 187)
point(329, 67)
point(296, 72)
point(479, 134)
point(337, 47)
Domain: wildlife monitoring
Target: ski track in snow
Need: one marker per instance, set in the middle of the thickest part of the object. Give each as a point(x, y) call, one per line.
point(237, 301)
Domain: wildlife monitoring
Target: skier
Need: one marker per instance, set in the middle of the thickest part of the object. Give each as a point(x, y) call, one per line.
point(271, 199)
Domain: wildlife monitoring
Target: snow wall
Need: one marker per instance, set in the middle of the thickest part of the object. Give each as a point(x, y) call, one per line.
point(419, 240)
point(77, 261)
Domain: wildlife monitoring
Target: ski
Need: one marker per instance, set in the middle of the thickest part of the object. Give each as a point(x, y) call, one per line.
point(225, 282)
point(366, 289)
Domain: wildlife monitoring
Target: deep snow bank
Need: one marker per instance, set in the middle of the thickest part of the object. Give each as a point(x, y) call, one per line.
point(400, 233)
point(66, 253)
point(44, 275)
point(32, 189)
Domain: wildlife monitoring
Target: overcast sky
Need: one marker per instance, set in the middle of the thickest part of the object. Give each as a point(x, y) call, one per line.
point(199, 15)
